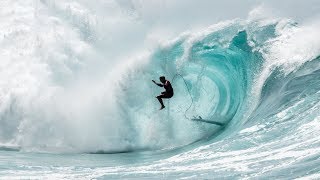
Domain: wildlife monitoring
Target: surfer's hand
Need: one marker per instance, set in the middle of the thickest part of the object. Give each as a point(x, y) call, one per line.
point(153, 81)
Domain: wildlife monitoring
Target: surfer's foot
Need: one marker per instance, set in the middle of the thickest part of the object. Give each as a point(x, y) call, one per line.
point(162, 107)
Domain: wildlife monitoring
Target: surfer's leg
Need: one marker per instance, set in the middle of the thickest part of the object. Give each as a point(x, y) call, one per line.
point(160, 100)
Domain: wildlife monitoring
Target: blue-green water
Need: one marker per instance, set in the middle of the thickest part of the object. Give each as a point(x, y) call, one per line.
point(77, 101)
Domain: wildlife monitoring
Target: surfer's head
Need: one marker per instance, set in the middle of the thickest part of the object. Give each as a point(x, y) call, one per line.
point(162, 79)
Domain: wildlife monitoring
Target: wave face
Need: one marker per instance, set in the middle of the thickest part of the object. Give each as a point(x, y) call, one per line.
point(211, 74)
point(74, 79)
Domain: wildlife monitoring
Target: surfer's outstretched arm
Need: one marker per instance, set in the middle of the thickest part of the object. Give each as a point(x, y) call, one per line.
point(157, 83)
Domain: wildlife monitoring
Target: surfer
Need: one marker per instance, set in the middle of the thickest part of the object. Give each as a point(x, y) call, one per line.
point(168, 93)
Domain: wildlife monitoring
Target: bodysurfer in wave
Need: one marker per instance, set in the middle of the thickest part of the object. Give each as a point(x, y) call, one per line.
point(168, 93)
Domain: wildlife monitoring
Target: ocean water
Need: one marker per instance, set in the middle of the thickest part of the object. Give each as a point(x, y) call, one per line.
point(77, 100)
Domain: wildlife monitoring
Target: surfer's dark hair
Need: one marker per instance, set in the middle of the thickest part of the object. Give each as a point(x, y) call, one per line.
point(162, 77)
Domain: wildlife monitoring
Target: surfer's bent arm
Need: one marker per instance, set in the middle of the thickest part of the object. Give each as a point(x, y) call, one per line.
point(157, 83)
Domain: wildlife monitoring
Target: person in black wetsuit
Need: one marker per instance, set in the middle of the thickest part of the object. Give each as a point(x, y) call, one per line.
point(166, 94)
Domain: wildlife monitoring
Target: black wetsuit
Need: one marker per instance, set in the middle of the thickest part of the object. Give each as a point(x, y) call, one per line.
point(169, 90)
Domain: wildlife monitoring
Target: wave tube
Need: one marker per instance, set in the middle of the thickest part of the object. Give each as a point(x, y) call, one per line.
point(211, 75)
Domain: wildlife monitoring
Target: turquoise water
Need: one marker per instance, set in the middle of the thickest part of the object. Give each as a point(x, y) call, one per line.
point(77, 101)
